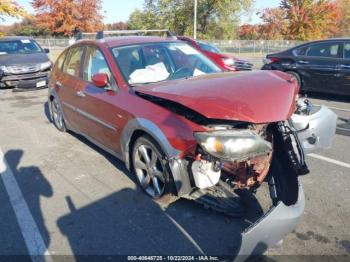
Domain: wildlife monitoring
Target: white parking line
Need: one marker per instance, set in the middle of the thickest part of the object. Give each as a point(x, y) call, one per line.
point(335, 108)
point(33, 239)
point(330, 160)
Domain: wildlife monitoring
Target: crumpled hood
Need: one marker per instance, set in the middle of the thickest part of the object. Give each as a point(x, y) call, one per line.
point(22, 59)
point(254, 97)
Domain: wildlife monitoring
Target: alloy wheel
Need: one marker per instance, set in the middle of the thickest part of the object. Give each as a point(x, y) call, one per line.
point(149, 170)
point(57, 115)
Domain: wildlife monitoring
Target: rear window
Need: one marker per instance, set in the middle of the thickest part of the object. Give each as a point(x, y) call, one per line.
point(301, 51)
point(208, 47)
point(329, 50)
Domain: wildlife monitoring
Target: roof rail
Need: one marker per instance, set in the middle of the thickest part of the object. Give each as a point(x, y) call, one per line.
point(101, 34)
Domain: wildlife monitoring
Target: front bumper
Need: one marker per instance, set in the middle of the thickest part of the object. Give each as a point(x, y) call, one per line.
point(24, 82)
point(279, 221)
point(317, 129)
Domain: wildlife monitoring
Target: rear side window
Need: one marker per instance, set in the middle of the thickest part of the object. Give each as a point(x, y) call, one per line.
point(301, 51)
point(72, 63)
point(347, 50)
point(329, 50)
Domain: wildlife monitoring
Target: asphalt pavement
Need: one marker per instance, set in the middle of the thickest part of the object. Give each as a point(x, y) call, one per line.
point(62, 195)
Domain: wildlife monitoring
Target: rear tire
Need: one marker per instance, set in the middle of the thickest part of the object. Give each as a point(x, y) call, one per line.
point(56, 115)
point(149, 166)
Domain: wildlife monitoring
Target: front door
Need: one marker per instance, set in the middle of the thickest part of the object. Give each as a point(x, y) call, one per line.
point(97, 105)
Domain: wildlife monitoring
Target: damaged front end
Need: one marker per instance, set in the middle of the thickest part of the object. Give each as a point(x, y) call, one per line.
point(232, 162)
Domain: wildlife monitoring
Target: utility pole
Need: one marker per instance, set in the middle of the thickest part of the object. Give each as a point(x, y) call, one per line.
point(195, 20)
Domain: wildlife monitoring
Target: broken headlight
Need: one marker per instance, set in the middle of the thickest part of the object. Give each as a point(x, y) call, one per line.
point(233, 145)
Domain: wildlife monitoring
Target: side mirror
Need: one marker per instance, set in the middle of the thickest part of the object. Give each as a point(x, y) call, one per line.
point(100, 80)
point(46, 50)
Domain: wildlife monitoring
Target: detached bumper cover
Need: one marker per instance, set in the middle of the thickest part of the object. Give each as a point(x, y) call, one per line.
point(271, 228)
point(318, 129)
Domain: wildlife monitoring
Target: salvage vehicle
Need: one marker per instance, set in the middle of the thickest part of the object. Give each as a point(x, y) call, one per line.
point(320, 66)
point(187, 129)
point(224, 61)
point(24, 65)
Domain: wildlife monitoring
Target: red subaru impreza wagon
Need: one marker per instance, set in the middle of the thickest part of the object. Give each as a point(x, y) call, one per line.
point(187, 129)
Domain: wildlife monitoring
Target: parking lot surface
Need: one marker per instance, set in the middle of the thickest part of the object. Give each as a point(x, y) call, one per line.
point(80, 200)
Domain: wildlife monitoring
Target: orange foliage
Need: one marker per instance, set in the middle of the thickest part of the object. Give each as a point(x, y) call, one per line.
point(66, 16)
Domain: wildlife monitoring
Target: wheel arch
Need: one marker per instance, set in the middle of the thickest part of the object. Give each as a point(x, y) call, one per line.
point(139, 127)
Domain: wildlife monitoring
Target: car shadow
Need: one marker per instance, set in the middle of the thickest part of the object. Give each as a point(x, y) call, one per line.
point(128, 222)
point(47, 111)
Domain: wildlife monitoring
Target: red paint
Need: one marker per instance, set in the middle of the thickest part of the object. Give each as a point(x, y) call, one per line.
point(256, 97)
point(100, 80)
point(215, 57)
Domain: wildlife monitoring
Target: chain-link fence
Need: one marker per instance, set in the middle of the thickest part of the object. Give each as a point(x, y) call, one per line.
point(251, 50)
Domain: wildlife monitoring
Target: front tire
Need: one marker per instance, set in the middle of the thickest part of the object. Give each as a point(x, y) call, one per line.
point(56, 115)
point(149, 166)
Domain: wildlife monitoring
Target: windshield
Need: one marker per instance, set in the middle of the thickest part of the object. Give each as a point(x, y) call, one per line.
point(24, 46)
point(209, 47)
point(156, 62)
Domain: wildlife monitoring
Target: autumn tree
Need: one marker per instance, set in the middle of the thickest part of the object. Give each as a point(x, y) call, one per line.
point(215, 18)
point(274, 24)
point(64, 17)
point(10, 8)
point(310, 19)
point(116, 26)
point(344, 21)
point(249, 32)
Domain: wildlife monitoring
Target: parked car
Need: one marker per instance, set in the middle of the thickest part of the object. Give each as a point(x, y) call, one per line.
point(186, 129)
point(320, 66)
point(224, 61)
point(23, 64)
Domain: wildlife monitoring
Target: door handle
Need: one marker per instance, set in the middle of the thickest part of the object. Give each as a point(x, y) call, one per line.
point(345, 66)
point(81, 94)
point(303, 62)
point(59, 84)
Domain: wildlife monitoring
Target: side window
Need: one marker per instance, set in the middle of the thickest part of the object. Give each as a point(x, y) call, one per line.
point(94, 63)
point(324, 50)
point(72, 63)
point(301, 51)
point(347, 50)
point(60, 60)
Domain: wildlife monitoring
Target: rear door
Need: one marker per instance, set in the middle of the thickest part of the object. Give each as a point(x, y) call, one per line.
point(69, 84)
point(318, 67)
point(344, 66)
point(97, 105)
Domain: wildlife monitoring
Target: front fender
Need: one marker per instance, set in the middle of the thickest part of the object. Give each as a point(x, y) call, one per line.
point(176, 165)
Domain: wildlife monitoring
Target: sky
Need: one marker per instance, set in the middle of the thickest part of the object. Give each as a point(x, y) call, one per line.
point(119, 10)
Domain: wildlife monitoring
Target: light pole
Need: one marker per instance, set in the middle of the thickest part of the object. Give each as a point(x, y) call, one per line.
point(195, 20)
